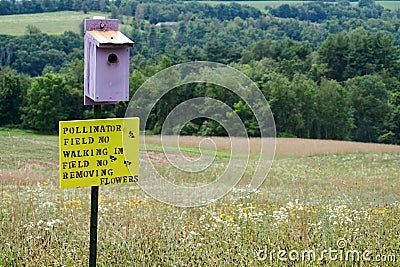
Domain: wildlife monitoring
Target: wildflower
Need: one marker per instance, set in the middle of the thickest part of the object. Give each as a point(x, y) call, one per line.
point(193, 233)
point(349, 220)
point(235, 228)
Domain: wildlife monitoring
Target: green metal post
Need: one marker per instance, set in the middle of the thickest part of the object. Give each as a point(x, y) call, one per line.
point(94, 208)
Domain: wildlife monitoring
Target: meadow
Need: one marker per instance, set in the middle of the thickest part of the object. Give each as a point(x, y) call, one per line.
point(314, 208)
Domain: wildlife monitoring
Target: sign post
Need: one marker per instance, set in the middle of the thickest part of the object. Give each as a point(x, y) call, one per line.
point(92, 154)
point(91, 151)
point(106, 80)
point(94, 208)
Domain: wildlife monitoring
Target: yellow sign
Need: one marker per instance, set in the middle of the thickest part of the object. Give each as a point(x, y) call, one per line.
point(92, 154)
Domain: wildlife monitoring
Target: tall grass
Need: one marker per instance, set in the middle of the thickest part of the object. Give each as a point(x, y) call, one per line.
point(346, 203)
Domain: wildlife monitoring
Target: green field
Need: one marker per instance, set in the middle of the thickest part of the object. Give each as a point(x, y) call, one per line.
point(389, 4)
point(52, 23)
point(348, 203)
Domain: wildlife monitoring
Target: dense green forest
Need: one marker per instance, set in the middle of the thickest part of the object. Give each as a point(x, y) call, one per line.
point(328, 70)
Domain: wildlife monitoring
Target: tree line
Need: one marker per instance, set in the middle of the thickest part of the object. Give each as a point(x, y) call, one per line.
point(153, 10)
point(323, 78)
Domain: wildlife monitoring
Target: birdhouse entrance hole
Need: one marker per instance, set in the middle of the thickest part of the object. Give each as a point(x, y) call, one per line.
point(112, 58)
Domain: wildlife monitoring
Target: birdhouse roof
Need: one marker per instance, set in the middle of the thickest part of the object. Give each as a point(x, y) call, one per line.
point(109, 38)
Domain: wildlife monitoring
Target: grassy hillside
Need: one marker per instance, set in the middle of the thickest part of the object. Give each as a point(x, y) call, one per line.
point(389, 4)
point(52, 23)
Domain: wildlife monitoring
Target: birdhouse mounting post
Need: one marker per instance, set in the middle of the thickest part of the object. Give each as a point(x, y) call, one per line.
point(106, 81)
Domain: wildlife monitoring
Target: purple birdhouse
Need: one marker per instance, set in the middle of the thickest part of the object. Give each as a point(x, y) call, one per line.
point(106, 72)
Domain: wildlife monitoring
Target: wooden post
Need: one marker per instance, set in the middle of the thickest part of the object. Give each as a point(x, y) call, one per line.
point(94, 208)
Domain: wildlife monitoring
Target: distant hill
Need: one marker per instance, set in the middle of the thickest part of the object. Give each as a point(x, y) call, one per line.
point(262, 4)
point(59, 22)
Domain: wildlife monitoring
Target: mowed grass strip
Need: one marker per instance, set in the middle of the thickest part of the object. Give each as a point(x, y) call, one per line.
point(51, 22)
point(284, 146)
